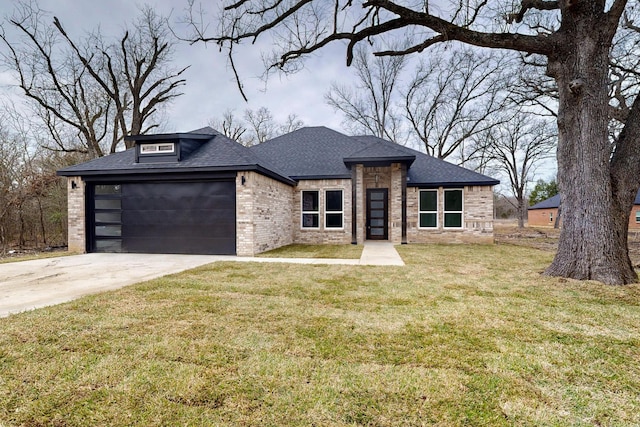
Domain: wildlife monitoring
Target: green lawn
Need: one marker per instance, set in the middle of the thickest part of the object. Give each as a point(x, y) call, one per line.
point(315, 251)
point(461, 336)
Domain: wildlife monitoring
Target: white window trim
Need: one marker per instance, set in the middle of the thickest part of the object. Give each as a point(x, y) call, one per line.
point(444, 211)
point(326, 212)
point(303, 212)
point(156, 148)
point(435, 212)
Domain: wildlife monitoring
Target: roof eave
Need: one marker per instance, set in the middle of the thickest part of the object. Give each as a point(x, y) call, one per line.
point(154, 171)
point(452, 184)
point(169, 136)
point(379, 161)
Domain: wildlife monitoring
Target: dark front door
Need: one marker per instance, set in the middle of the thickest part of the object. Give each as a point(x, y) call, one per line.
point(377, 214)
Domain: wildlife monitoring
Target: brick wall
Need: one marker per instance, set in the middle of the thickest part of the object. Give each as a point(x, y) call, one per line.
point(542, 217)
point(477, 218)
point(322, 235)
point(263, 214)
point(77, 225)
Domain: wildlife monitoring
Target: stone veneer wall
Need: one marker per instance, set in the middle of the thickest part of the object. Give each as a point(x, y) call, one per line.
point(263, 214)
point(389, 177)
point(477, 218)
point(322, 235)
point(77, 226)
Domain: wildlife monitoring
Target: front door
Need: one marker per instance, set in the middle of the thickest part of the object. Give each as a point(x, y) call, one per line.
point(377, 227)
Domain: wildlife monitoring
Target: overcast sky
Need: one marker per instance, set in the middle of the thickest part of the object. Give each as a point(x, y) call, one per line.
point(211, 88)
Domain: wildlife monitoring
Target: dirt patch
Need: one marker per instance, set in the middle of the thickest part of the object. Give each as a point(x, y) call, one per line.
point(546, 239)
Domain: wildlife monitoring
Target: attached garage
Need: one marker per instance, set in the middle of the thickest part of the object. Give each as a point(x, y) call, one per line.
point(163, 217)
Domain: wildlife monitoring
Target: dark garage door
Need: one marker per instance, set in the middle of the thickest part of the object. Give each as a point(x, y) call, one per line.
point(165, 217)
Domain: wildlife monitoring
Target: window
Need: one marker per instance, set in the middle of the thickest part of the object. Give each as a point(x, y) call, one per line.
point(107, 218)
point(334, 214)
point(637, 216)
point(428, 208)
point(453, 208)
point(158, 148)
point(550, 216)
point(310, 209)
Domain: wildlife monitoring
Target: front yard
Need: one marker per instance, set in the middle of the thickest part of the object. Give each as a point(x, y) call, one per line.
point(463, 335)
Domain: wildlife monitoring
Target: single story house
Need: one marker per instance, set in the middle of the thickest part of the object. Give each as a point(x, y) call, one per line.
point(200, 192)
point(545, 213)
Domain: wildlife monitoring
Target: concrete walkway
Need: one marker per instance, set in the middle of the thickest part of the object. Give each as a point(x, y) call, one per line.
point(379, 253)
point(26, 285)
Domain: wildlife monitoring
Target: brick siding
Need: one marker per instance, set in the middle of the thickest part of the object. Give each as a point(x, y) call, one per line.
point(263, 214)
point(477, 218)
point(322, 235)
point(77, 225)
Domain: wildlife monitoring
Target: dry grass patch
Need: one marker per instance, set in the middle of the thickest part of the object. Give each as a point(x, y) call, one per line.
point(463, 335)
point(26, 256)
point(315, 251)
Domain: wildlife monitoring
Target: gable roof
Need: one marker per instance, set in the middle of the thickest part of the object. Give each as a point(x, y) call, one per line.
point(428, 171)
point(550, 203)
point(307, 153)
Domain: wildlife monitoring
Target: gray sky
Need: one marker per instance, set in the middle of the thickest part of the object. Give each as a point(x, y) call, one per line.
point(211, 88)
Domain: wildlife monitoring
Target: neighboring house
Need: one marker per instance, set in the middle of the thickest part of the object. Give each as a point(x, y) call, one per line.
point(200, 192)
point(545, 213)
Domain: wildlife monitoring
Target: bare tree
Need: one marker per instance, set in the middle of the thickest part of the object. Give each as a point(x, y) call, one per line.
point(370, 106)
point(229, 125)
point(455, 96)
point(89, 89)
point(255, 126)
point(598, 180)
point(516, 147)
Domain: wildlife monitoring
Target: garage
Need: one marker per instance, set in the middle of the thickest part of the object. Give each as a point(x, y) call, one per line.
point(181, 217)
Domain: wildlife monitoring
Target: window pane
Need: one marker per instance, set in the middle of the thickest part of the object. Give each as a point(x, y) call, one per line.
point(377, 205)
point(377, 222)
point(165, 147)
point(334, 221)
point(310, 201)
point(108, 230)
point(453, 200)
point(377, 231)
point(108, 189)
point(638, 216)
point(453, 220)
point(376, 214)
point(310, 220)
point(107, 216)
point(108, 204)
point(428, 201)
point(334, 200)
point(376, 195)
point(428, 220)
point(109, 245)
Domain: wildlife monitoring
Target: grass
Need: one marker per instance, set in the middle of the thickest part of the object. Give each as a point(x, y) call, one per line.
point(34, 255)
point(462, 336)
point(315, 251)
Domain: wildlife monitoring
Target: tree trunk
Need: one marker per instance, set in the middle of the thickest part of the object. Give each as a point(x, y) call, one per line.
point(522, 211)
point(593, 238)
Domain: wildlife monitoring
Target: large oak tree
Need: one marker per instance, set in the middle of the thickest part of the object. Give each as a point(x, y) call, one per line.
point(598, 177)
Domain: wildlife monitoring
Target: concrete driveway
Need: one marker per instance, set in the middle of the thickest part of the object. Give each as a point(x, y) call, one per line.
point(25, 285)
point(31, 284)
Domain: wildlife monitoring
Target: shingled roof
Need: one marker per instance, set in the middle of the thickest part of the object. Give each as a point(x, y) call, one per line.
point(217, 153)
point(554, 202)
point(307, 153)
